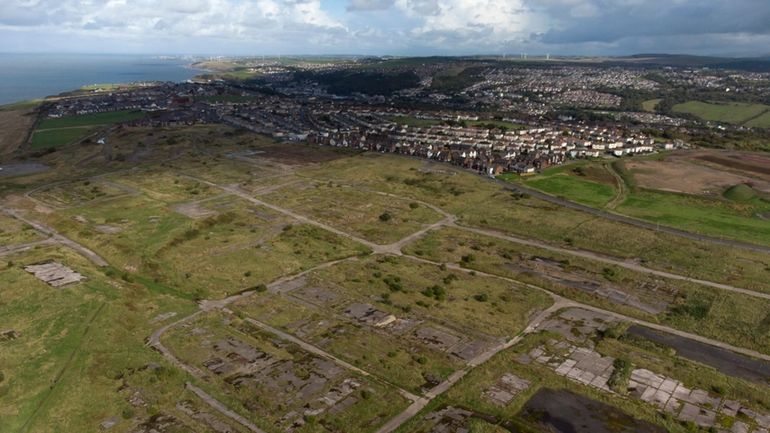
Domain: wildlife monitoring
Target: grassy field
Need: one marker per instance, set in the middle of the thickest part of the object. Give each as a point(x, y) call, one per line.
point(91, 119)
point(725, 316)
point(171, 240)
point(53, 138)
point(728, 112)
point(53, 133)
point(378, 218)
point(762, 121)
point(479, 203)
point(483, 305)
point(69, 350)
point(737, 220)
point(592, 185)
point(650, 105)
point(570, 187)
point(13, 232)
point(231, 247)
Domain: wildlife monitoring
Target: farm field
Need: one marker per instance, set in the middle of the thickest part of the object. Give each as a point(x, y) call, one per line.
point(762, 121)
point(728, 112)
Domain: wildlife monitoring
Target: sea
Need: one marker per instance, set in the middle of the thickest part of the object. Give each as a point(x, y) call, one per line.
point(32, 76)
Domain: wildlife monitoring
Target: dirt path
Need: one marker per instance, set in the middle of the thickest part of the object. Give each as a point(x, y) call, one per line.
point(622, 192)
point(55, 236)
point(611, 216)
point(307, 347)
point(570, 303)
point(7, 250)
point(624, 264)
point(419, 404)
point(221, 408)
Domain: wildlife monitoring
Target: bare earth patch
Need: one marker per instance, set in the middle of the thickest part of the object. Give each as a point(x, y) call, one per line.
point(14, 126)
point(679, 175)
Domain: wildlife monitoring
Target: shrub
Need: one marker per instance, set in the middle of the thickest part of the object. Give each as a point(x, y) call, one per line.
point(621, 373)
point(385, 217)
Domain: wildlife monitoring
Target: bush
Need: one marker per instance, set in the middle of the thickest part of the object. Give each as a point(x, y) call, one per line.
point(414, 205)
point(481, 297)
point(618, 381)
point(437, 292)
point(127, 413)
point(385, 217)
point(260, 288)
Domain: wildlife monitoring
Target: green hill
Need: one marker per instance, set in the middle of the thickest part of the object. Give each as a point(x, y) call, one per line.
point(740, 192)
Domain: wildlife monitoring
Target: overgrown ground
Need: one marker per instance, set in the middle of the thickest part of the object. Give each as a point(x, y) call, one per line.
point(171, 238)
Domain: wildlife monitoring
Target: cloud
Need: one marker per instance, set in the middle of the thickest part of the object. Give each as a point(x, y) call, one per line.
point(390, 26)
point(369, 5)
point(615, 20)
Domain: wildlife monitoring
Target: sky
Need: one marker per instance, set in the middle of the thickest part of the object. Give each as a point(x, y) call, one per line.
point(387, 27)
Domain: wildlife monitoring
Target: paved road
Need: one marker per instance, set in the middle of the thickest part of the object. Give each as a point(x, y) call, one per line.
point(85, 252)
point(224, 410)
point(600, 258)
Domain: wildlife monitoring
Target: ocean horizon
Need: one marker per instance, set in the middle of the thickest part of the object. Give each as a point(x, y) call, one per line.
point(34, 76)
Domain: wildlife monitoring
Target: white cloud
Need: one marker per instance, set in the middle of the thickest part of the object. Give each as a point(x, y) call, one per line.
point(481, 23)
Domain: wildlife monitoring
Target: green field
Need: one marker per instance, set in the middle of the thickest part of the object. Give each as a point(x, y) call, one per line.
point(727, 112)
point(731, 218)
point(762, 121)
point(52, 138)
point(91, 119)
point(563, 181)
point(702, 215)
point(650, 105)
point(413, 121)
